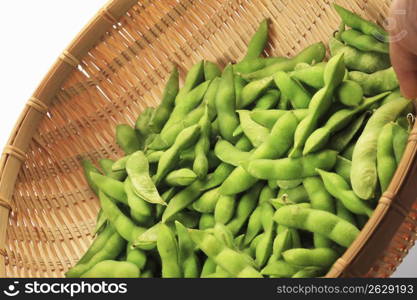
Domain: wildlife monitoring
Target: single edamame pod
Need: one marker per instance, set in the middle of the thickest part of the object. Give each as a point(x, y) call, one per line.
point(258, 41)
point(181, 177)
point(292, 168)
point(400, 140)
point(250, 65)
point(376, 83)
point(280, 269)
point(211, 70)
point(254, 225)
point(268, 118)
point(254, 89)
point(194, 77)
point(343, 167)
point(207, 202)
point(364, 171)
point(230, 154)
point(106, 165)
point(364, 42)
point(126, 138)
point(319, 257)
point(311, 75)
point(225, 209)
point(186, 256)
point(206, 222)
point(257, 134)
point(385, 157)
point(113, 269)
point(342, 139)
point(309, 272)
point(163, 111)
point(269, 100)
point(201, 164)
point(109, 186)
point(88, 169)
point(317, 221)
point(350, 93)
point(292, 90)
point(168, 251)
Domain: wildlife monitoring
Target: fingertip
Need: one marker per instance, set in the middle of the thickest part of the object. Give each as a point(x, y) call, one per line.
point(408, 84)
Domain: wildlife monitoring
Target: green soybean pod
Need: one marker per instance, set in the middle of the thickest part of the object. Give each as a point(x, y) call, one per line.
point(313, 53)
point(181, 177)
point(319, 257)
point(187, 258)
point(309, 272)
point(376, 83)
point(230, 154)
point(258, 41)
point(211, 70)
point(280, 269)
point(106, 165)
point(88, 169)
point(340, 189)
point(136, 256)
point(167, 246)
point(295, 195)
point(127, 139)
point(364, 172)
point(109, 186)
point(254, 225)
point(209, 267)
point(225, 209)
point(113, 269)
point(140, 210)
point(257, 134)
point(264, 247)
point(343, 213)
point(385, 157)
point(142, 123)
point(342, 139)
point(253, 90)
point(317, 221)
point(350, 93)
point(367, 62)
point(206, 221)
point(343, 167)
point(292, 168)
point(225, 105)
point(268, 118)
point(207, 202)
point(120, 164)
point(269, 100)
point(400, 140)
point(358, 23)
point(291, 89)
point(364, 42)
point(282, 242)
point(194, 77)
point(311, 75)
point(250, 65)
point(166, 106)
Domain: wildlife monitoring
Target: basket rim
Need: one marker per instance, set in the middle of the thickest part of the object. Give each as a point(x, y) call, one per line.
point(28, 122)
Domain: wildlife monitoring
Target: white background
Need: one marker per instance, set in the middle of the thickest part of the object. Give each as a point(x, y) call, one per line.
point(33, 34)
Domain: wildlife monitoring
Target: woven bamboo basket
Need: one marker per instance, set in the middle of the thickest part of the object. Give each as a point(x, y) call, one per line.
point(114, 69)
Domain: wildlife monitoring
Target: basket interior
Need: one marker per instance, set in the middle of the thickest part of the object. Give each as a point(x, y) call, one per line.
point(54, 211)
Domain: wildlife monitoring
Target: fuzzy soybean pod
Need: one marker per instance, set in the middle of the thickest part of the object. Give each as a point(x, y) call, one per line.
point(340, 189)
point(207, 202)
point(138, 169)
point(385, 157)
point(364, 42)
point(113, 246)
point(400, 140)
point(254, 64)
point(367, 62)
point(290, 88)
point(280, 269)
point(317, 221)
point(194, 77)
point(136, 256)
point(294, 195)
point(269, 100)
point(343, 167)
point(277, 145)
point(268, 118)
point(292, 168)
point(360, 24)
point(257, 134)
point(181, 177)
point(310, 272)
point(113, 188)
point(319, 257)
point(106, 165)
point(225, 105)
point(320, 104)
point(123, 225)
point(264, 247)
point(321, 200)
point(342, 139)
point(230, 154)
point(258, 41)
point(120, 164)
point(211, 70)
point(113, 269)
point(183, 199)
point(313, 53)
point(376, 83)
point(311, 75)
point(216, 178)
point(254, 89)
point(320, 137)
point(163, 111)
point(343, 213)
point(210, 98)
point(88, 169)
point(254, 225)
point(201, 165)
point(233, 262)
point(282, 242)
point(364, 171)
point(206, 222)
point(127, 139)
point(168, 160)
point(186, 255)
point(167, 246)
point(245, 207)
point(225, 208)
point(209, 267)
point(140, 210)
point(349, 93)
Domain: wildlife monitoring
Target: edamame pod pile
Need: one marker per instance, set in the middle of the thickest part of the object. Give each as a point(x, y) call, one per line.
point(267, 168)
